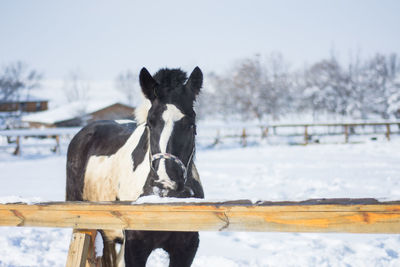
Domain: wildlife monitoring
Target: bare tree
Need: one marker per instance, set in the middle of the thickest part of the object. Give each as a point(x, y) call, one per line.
point(206, 103)
point(255, 88)
point(16, 79)
point(76, 90)
point(248, 82)
point(277, 96)
point(126, 83)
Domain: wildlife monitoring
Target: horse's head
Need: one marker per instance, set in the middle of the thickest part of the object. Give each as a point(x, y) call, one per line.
point(171, 126)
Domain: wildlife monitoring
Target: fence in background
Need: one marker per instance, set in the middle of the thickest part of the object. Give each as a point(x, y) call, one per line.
point(310, 130)
point(15, 137)
point(214, 136)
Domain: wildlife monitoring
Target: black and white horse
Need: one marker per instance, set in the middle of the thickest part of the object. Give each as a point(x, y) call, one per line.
point(110, 161)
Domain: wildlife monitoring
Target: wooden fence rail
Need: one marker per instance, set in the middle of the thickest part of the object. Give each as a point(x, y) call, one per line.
point(335, 215)
point(319, 215)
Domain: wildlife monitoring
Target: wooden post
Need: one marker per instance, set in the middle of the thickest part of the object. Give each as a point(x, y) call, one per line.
point(217, 139)
point(305, 134)
point(346, 133)
point(243, 137)
point(57, 148)
point(17, 150)
point(79, 248)
point(92, 261)
point(264, 132)
point(388, 132)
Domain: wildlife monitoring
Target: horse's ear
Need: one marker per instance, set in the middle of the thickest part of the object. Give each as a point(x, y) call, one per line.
point(148, 84)
point(195, 81)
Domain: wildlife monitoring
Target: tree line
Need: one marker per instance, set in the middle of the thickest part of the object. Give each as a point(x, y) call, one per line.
point(265, 89)
point(259, 88)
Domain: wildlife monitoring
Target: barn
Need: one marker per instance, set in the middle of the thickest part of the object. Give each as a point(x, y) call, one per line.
point(28, 105)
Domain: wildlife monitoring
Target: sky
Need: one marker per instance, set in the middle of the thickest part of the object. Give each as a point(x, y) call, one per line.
point(104, 38)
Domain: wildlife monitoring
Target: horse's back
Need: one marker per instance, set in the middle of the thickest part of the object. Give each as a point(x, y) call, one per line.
point(100, 138)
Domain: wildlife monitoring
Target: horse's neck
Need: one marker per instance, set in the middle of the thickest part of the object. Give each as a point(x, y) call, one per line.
point(133, 178)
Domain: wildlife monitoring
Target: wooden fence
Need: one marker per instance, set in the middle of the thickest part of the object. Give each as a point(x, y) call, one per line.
point(52, 133)
point(320, 215)
point(348, 129)
point(242, 135)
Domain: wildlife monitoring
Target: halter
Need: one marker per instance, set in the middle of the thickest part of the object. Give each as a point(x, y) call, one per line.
point(169, 156)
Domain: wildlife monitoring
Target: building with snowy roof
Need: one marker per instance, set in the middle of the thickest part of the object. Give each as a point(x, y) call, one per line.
point(79, 114)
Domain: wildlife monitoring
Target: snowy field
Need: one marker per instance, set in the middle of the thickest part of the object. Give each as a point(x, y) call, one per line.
point(268, 172)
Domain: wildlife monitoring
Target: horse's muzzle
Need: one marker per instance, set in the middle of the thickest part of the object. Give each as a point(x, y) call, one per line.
point(171, 189)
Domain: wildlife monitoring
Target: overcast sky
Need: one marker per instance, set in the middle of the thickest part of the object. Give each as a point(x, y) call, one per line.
point(103, 38)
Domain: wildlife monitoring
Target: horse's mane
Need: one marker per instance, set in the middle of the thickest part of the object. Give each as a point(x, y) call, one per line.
point(168, 80)
point(142, 111)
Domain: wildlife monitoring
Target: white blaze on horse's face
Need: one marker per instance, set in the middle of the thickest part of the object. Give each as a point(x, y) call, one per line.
point(169, 116)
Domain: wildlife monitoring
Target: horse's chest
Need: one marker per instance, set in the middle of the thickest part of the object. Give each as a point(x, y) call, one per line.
point(108, 178)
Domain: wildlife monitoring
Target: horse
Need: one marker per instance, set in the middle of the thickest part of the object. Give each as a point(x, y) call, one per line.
point(119, 161)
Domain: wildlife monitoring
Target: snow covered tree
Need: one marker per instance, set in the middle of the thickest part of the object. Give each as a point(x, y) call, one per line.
point(327, 88)
point(380, 75)
point(266, 89)
point(394, 87)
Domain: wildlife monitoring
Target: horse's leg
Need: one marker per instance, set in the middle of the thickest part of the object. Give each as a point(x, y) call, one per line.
point(110, 238)
point(182, 247)
point(137, 252)
point(121, 256)
point(109, 257)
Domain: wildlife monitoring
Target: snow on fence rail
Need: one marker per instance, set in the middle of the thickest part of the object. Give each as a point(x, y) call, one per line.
point(320, 215)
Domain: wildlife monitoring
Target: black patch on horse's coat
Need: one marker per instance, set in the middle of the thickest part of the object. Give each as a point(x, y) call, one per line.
point(100, 138)
point(109, 137)
point(181, 246)
point(183, 146)
point(140, 150)
point(155, 125)
point(195, 186)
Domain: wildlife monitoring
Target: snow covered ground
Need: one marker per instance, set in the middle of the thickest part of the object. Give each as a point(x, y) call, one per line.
point(268, 172)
